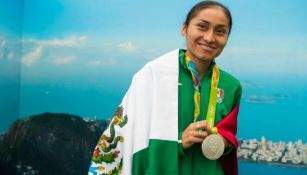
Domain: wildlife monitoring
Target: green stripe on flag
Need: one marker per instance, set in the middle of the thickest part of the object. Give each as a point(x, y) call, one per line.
point(159, 158)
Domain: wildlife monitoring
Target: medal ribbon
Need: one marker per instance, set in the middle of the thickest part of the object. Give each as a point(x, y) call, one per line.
point(212, 100)
point(197, 89)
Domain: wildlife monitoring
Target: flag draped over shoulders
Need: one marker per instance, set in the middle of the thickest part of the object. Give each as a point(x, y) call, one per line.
point(144, 129)
point(142, 137)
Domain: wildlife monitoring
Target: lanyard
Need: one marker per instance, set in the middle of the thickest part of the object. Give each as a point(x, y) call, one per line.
point(197, 89)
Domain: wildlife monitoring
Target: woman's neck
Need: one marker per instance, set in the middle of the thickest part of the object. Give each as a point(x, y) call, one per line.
point(201, 65)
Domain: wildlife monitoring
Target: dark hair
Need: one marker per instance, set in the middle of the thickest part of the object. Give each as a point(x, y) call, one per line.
point(206, 4)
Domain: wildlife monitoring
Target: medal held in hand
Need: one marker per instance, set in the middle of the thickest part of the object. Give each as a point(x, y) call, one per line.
point(213, 146)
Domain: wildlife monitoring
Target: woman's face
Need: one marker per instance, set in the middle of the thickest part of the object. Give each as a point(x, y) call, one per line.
point(206, 34)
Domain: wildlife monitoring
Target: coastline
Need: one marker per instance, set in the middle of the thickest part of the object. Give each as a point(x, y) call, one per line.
point(291, 154)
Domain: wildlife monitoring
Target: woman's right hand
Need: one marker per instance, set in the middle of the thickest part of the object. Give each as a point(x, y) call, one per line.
point(195, 133)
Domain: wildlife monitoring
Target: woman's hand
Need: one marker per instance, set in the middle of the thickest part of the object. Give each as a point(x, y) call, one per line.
point(195, 133)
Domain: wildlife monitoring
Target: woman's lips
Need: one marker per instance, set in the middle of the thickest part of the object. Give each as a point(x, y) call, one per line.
point(207, 47)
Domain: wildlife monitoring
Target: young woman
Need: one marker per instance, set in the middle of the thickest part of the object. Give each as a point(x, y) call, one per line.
point(179, 115)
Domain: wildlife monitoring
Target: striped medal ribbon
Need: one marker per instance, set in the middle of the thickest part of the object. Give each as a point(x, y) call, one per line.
point(213, 146)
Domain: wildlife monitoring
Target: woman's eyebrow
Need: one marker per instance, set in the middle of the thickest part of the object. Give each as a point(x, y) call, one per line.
point(219, 25)
point(204, 21)
point(222, 26)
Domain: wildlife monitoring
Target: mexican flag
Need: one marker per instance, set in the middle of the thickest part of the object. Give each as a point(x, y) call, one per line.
point(142, 137)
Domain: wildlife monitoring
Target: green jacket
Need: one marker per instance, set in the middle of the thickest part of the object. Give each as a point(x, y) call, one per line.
point(191, 160)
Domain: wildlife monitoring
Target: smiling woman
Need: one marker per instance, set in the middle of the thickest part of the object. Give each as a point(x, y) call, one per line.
point(206, 35)
point(179, 115)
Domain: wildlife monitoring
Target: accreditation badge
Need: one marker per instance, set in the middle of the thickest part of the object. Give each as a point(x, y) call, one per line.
point(213, 146)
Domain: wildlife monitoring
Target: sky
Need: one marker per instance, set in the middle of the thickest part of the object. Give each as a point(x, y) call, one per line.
point(87, 38)
point(102, 43)
point(75, 35)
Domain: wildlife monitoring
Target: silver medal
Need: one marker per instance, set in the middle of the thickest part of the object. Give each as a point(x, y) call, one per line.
point(213, 146)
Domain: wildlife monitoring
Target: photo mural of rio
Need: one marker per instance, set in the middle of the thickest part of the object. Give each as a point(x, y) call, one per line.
point(65, 66)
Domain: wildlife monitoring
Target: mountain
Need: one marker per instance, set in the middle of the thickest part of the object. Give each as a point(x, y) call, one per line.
point(49, 144)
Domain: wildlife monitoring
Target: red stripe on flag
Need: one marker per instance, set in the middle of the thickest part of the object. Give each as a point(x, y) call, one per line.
point(227, 127)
